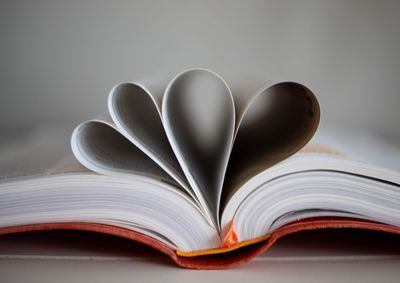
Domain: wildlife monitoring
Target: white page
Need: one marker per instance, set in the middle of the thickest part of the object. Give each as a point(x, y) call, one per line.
point(320, 155)
point(136, 115)
point(361, 145)
point(277, 122)
point(101, 148)
point(199, 116)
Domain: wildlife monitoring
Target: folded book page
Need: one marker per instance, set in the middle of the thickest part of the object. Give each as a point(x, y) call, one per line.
point(277, 122)
point(199, 118)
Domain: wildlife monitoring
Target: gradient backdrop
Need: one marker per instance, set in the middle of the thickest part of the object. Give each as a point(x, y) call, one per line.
point(59, 59)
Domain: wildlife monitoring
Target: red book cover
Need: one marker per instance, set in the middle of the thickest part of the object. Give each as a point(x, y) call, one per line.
point(219, 258)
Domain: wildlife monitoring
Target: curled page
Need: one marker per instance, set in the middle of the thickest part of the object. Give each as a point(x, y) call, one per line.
point(101, 148)
point(135, 113)
point(277, 122)
point(199, 118)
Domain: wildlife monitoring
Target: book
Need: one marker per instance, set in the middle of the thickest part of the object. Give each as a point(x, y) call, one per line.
point(210, 180)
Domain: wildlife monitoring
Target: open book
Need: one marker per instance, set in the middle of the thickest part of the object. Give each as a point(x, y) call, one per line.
point(209, 182)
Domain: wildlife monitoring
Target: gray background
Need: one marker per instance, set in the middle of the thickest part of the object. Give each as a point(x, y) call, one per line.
point(59, 59)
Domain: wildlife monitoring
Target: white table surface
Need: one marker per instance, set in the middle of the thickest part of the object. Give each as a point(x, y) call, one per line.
point(306, 257)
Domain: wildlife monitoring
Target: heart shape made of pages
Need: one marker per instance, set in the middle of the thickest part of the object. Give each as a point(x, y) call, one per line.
point(194, 138)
